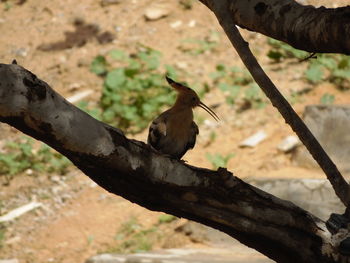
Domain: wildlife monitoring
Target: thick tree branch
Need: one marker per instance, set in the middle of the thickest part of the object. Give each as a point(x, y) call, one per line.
point(319, 30)
point(276, 228)
point(339, 184)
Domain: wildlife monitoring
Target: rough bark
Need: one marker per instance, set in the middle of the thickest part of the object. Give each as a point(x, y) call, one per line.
point(129, 168)
point(340, 186)
point(317, 30)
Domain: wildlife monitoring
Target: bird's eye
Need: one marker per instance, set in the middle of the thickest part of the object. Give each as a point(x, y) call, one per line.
point(193, 98)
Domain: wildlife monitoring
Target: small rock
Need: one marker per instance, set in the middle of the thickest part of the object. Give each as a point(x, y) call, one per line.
point(80, 96)
point(117, 28)
point(182, 65)
point(22, 52)
point(330, 125)
point(210, 124)
point(55, 178)
point(254, 140)
point(14, 260)
point(19, 211)
point(29, 171)
point(192, 23)
point(288, 144)
point(156, 11)
point(176, 24)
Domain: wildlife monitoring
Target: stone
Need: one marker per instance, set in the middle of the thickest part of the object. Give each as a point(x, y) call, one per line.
point(288, 144)
point(253, 140)
point(207, 255)
point(14, 260)
point(314, 195)
point(330, 124)
point(157, 11)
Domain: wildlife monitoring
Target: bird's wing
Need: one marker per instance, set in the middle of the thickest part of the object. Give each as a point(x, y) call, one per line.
point(157, 131)
point(191, 141)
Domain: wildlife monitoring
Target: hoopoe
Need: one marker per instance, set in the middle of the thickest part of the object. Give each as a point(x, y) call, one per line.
point(174, 132)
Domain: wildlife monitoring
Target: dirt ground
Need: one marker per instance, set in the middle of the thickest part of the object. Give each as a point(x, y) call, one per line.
point(57, 40)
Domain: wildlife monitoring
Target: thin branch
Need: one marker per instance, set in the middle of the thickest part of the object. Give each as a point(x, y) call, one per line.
point(312, 55)
point(339, 184)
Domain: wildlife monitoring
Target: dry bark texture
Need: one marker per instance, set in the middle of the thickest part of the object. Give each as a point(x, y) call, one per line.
point(320, 30)
point(276, 228)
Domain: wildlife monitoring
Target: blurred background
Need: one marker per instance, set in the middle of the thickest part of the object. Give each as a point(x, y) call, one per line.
point(109, 57)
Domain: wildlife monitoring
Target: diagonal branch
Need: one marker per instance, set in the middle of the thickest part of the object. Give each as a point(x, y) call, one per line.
point(318, 30)
point(339, 184)
point(129, 168)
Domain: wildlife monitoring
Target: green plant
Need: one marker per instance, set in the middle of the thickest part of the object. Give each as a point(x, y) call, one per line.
point(217, 160)
point(197, 47)
point(237, 84)
point(165, 218)
point(93, 111)
point(7, 5)
point(327, 98)
point(280, 50)
point(134, 238)
point(135, 91)
point(18, 156)
point(2, 235)
point(50, 161)
point(334, 68)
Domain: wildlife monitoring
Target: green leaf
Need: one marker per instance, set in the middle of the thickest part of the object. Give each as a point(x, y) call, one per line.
point(99, 65)
point(115, 78)
point(341, 73)
point(275, 55)
point(327, 98)
point(218, 160)
point(344, 63)
point(119, 55)
point(253, 92)
point(171, 71)
point(314, 73)
point(165, 218)
point(220, 67)
point(329, 62)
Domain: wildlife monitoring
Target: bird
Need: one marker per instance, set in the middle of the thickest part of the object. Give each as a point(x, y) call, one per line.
point(174, 132)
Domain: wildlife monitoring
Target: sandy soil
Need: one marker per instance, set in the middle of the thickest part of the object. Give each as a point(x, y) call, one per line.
point(79, 219)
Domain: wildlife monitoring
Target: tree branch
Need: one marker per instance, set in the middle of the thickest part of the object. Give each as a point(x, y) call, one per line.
point(340, 186)
point(318, 30)
point(276, 228)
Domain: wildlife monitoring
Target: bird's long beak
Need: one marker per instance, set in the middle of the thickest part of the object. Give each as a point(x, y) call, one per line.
point(209, 110)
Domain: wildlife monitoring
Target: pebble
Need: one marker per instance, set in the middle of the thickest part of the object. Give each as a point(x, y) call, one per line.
point(14, 260)
point(55, 178)
point(176, 24)
point(22, 52)
point(288, 143)
point(156, 12)
point(254, 140)
point(192, 23)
